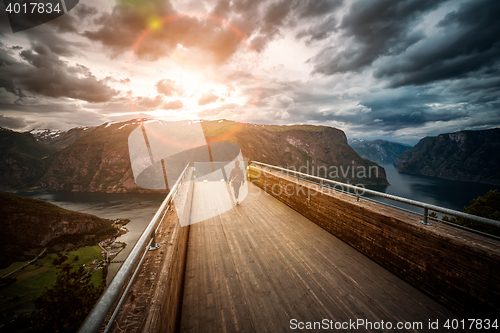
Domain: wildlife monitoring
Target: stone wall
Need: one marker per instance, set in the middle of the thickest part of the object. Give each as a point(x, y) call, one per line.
point(458, 268)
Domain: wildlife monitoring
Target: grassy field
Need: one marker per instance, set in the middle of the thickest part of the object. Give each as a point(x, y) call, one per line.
point(12, 267)
point(31, 281)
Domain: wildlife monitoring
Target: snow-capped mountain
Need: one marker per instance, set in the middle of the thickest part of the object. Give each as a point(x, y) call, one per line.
point(355, 141)
point(45, 135)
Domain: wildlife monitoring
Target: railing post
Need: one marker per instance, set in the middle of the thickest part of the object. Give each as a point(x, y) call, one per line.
point(425, 221)
point(321, 184)
point(154, 245)
point(357, 195)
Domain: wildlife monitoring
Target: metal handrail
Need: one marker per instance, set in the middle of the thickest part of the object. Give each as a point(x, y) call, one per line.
point(98, 314)
point(423, 205)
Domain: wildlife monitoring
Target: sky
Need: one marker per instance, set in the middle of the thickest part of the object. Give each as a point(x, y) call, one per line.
point(376, 69)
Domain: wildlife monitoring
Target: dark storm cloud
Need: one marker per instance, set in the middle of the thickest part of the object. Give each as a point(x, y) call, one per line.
point(73, 21)
point(410, 108)
point(275, 16)
point(42, 66)
point(262, 21)
point(120, 29)
point(168, 87)
point(83, 11)
point(373, 28)
point(314, 8)
point(47, 34)
point(7, 65)
point(12, 122)
point(284, 14)
point(476, 90)
point(470, 42)
point(320, 30)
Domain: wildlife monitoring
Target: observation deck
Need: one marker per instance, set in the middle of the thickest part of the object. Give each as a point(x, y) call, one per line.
point(304, 255)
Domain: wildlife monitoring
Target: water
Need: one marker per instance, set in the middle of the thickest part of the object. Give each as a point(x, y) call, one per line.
point(450, 194)
point(139, 208)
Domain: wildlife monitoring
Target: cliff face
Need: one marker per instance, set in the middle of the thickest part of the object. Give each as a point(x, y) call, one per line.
point(96, 162)
point(467, 155)
point(31, 224)
point(379, 151)
point(97, 159)
point(23, 160)
point(300, 146)
point(417, 149)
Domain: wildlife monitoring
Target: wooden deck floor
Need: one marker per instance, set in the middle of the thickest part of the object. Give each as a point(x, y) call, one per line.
point(256, 267)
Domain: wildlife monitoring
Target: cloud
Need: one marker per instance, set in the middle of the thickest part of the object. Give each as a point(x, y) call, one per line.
point(168, 87)
point(320, 30)
point(207, 99)
point(12, 122)
point(48, 34)
point(371, 29)
point(173, 105)
point(315, 8)
point(261, 21)
point(280, 101)
point(83, 11)
point(118, 31)
point(467, 43)
point(149, 103)
point(44, 73)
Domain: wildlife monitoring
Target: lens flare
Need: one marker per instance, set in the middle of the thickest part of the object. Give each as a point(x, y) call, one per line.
point(194, 83)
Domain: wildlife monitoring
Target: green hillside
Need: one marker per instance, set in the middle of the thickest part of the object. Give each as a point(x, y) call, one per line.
point(28, 225)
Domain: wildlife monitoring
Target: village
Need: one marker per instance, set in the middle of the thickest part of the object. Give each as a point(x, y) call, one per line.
point(110, 248)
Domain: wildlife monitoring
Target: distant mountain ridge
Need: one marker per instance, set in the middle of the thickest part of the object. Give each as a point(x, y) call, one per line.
point(23, 160)
point(97, 159)
point(45, 135)
point(466, 155)
point(378, 151)
point(60, 139)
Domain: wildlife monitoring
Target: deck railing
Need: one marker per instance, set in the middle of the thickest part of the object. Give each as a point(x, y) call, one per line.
point(357, 190)
point(146, 242)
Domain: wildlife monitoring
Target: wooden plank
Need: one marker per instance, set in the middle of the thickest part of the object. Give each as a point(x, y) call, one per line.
point(213, 299)
point(261, 264)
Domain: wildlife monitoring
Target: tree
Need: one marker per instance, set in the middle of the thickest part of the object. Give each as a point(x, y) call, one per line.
point(487, 206)
point(62, 307)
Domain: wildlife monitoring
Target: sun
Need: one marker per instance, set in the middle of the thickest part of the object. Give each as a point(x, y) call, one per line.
point(193, 83)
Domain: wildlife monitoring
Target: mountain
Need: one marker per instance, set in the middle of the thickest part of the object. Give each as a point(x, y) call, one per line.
point(95, 162)
point(355, 141)
point(23, 159)
point(97, 159)
point(378, 151)
point(297, 146)
point(60, 139)
point(45, 135)
point(28, 225)
point(466, 155)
